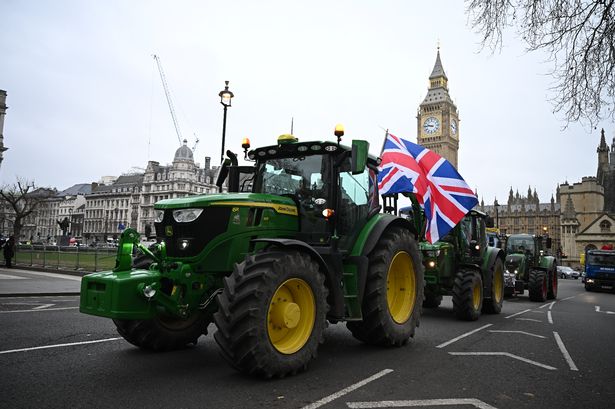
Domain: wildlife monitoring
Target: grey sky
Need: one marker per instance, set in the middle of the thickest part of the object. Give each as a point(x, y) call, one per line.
point(85, 99)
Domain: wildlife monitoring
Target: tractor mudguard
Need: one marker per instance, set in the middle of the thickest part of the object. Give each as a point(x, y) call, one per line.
point(487, 267)
point(331, 278)
point(373, 230)
point(546, 262)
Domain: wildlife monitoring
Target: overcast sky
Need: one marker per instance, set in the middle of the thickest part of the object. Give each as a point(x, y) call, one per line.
point(85, 97)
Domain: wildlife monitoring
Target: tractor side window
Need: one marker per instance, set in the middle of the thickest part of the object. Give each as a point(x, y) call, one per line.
point(353, 201)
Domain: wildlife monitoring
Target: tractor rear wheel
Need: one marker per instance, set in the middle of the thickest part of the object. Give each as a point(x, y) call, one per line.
point(493, 305)
point(468, 295)
point(537, 285)
point(552, 285)
point(394, 291)
point(272, 313)
point(164, 333)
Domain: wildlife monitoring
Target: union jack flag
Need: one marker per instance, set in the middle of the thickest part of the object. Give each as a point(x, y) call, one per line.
point(440, 190)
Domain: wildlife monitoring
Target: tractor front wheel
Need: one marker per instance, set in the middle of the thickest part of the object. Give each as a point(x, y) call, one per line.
point(468, 295)
point(537, 285)
point(164, 333)
point(272, 313)
point(394, 291)
point(493, 305)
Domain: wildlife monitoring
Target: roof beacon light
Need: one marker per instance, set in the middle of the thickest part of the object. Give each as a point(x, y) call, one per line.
point(245, 144)
point(287, 138)
point(339, 132)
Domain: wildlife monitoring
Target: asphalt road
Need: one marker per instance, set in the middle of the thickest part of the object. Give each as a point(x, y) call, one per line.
point(533, 355)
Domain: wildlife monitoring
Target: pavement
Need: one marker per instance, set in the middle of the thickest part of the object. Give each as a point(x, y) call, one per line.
point(21, 282)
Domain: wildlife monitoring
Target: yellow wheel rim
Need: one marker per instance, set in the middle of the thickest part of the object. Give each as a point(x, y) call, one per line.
point(291, 316)
point(401, 287)
point(498, 284)
point(476, 296)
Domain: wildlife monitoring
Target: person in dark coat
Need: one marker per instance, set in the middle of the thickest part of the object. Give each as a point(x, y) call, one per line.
point(9, 250)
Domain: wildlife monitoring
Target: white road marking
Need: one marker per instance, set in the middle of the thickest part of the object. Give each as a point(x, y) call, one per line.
point(463, 336)
point(10, 277)
point(528, 319)
point(40, 307)
point(46, 309)
point(347, 390)
point(562, 348)
point(414, 403)
point(518, 332)
point(549, 317)
point(529, 361)
point(518, 313)
point(568, 298)
point(544, 305)
point(551, 305)
point(605, 312)
point(10, 351)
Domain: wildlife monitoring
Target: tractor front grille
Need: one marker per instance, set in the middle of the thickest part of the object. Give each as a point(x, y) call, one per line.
point(189, 239)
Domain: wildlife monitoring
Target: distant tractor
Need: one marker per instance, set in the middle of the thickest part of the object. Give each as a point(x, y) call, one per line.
point(305, 245)
point(461, 264)
point(528, 266)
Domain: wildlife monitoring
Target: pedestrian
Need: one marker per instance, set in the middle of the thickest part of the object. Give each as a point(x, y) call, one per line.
point(9, 251)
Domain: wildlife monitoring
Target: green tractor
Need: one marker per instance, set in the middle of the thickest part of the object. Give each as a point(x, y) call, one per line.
point(461, 264)
point(529, 267)
point(305, 245)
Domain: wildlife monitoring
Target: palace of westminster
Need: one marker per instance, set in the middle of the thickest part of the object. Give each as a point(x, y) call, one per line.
point(580, 216)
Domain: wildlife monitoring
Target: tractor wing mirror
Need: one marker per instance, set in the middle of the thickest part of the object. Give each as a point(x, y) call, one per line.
point(358, 158)
point(549, 242)
point(222, 173)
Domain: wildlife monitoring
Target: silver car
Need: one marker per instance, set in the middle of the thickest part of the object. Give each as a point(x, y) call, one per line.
point(567, 272)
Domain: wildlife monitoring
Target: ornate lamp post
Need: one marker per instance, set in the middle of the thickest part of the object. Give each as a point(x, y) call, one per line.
point(497, 214)
point(225, 99)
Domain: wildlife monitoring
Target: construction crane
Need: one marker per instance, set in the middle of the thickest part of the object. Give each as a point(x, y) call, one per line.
point(170, 102)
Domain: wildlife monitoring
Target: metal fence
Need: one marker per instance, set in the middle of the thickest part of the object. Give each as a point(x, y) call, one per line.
point(80, 258)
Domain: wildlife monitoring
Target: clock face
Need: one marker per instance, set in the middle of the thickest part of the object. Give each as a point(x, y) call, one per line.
point(454, 127)
point(431, 125)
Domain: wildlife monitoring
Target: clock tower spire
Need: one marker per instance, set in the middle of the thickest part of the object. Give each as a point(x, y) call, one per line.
point(438, 118)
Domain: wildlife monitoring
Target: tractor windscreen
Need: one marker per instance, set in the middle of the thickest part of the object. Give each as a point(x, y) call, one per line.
point(300, 176)
point(520, 245)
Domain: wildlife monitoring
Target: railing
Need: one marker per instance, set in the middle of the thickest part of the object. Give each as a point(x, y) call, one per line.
point(80, 258)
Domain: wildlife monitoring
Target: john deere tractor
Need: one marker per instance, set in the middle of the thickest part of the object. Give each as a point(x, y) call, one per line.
point(306, 245)
point(528, 266)
point(461, 264)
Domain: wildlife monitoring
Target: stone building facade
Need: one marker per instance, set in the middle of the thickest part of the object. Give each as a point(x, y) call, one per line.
point(525, 214)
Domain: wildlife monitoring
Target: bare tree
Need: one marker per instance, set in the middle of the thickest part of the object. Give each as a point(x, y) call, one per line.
point(578, 37)
point(24, 198)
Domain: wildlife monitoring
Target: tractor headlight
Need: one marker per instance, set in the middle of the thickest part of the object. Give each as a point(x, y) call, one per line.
point(149, 291)
point(186, 215)
point(433, 253)
point(431, 264)
point(158, 215)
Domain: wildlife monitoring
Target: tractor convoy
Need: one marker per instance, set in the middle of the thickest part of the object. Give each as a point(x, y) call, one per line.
point(298, 241)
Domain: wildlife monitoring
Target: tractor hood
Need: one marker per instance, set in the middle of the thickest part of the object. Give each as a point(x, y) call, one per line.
point(514, 259)
point(280, 204)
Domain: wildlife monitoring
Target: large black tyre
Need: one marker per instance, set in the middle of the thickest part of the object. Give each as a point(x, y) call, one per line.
point(393, 293)
point(537, 285)
point(164, 333)
point(468, 295)
point(272, 313)
point(432, 301)
point(493, 303)
point(552, 284)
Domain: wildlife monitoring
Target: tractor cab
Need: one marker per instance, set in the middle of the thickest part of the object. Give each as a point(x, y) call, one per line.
point(332, 186)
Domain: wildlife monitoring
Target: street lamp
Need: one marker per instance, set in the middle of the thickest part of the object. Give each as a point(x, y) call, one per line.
point(497, 214)
point(225, 99)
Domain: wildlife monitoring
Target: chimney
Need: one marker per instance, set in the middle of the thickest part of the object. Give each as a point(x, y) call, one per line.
point(94, 186)
point(207, 162)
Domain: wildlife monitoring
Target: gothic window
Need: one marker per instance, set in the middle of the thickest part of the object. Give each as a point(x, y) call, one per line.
point(605, 226)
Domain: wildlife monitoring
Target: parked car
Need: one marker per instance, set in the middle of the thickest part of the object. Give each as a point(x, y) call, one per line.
point(567, 272)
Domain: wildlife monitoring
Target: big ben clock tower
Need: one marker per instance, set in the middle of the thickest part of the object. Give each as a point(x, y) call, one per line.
point(438, 118)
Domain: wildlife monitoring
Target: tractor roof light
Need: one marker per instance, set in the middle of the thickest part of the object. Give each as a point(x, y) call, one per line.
point(245, 143)
point(328, 213)
point(339, 132)
point(287, 138)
